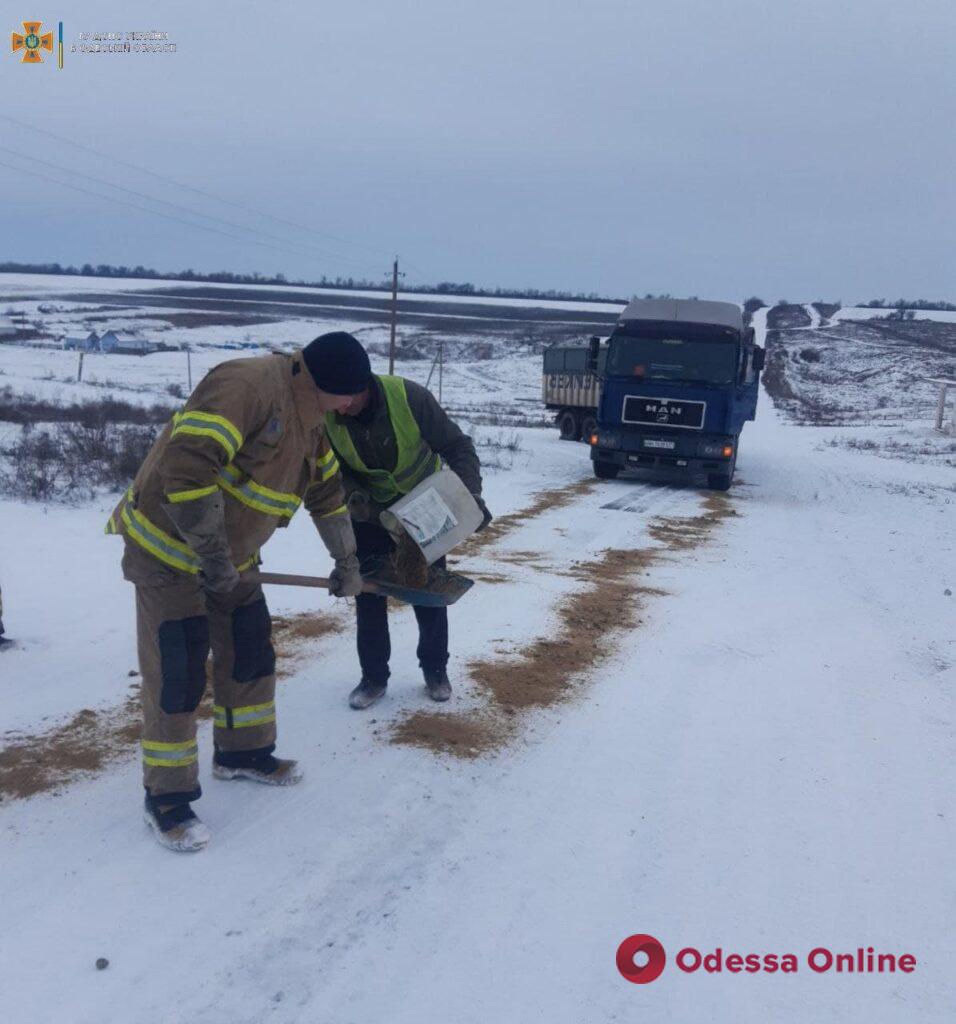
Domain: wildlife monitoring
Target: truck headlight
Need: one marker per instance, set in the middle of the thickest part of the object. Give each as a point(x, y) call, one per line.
point(608, 439)
point(716, 450)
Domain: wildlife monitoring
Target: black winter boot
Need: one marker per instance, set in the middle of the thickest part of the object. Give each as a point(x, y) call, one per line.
point(437, 682)
point(258, 766)
point(366, 694)
point(175, 826)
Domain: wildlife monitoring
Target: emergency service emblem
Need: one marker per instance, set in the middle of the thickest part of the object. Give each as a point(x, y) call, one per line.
point(31, 42)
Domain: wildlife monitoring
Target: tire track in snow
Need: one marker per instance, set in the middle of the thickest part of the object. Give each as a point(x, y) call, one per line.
point(91, 741)
point(554, 666)
point(543, 501)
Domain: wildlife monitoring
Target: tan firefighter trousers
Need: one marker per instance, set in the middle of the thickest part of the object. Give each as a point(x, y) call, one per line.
point(177, 625)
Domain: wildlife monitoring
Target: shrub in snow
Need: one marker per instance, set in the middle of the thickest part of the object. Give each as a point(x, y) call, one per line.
point(74, 460)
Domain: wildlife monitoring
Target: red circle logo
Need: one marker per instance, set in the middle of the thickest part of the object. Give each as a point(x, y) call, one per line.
point(648, 971)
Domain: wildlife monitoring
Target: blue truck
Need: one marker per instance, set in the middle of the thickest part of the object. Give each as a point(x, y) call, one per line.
point(673, 387)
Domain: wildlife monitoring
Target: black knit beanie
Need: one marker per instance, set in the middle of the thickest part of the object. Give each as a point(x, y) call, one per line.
point(338, 363)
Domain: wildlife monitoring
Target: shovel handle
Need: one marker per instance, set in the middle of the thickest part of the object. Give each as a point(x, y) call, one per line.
point(290, 580)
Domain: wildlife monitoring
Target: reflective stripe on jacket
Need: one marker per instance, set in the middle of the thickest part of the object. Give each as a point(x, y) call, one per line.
point(162, 546)
point(252, 429)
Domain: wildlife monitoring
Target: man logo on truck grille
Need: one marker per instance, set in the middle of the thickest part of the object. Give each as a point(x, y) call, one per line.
point(665, 411)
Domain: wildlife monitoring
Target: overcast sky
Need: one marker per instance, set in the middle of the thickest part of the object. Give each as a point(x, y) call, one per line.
point(697, 147)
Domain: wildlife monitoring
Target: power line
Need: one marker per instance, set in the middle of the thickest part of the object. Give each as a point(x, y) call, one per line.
point(155, 213)
point(33, 129)
point(193, 213)
point(417, 271)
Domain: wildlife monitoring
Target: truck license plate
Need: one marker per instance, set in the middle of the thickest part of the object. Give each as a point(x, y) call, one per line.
point(659, 444)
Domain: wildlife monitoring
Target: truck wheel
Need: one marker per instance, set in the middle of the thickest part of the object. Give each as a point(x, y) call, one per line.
point(569, 426)
point(722, 481)
point(588, 427)
point(719, 481)
point(606, 470)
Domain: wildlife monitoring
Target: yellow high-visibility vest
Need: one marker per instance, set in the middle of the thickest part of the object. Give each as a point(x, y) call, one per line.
point(415, 460)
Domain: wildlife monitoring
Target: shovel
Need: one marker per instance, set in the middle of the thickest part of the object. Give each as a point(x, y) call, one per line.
point(444, 588)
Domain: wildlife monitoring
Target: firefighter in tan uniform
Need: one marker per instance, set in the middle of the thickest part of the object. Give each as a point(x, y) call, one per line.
point(248, 448)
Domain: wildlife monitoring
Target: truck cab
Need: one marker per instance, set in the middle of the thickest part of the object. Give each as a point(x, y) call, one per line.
point(680, 379)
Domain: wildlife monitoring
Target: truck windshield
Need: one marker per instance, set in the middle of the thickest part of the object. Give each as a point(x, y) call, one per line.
point(690, 360)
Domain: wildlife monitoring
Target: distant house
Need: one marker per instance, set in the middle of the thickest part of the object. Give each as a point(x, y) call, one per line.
point(125, 343)
point(90, 343)
point(8, 329)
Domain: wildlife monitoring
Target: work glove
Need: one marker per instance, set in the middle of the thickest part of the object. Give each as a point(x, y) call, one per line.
point(486, 516)
point(392, 526)
point(337, 535)
point(218, 574)
point(345, 580)
point(360, 506)
point(202, 525)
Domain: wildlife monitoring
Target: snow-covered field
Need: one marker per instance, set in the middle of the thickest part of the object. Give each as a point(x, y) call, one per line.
point(760, 760)
point(16, 284)
point(946, 316)
point(873, 379)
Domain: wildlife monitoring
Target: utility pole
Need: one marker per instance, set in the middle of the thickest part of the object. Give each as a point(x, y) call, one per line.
point(391, 340)
point(79, 369)
point(441, 367)
point(189, 368)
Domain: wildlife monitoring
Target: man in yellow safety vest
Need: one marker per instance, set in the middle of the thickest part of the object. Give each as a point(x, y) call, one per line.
point(387, 439)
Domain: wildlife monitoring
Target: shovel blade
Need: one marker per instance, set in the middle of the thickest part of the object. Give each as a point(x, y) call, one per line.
point(444, 588)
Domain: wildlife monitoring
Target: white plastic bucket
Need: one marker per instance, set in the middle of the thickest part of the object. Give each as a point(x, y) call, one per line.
point(438, 514)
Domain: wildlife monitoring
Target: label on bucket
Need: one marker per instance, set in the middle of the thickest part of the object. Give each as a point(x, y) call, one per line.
point(427, 517)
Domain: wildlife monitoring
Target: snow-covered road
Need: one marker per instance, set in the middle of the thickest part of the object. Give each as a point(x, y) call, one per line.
point(764, 764)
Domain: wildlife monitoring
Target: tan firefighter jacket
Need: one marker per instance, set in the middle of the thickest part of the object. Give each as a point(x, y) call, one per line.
point(252, 429)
